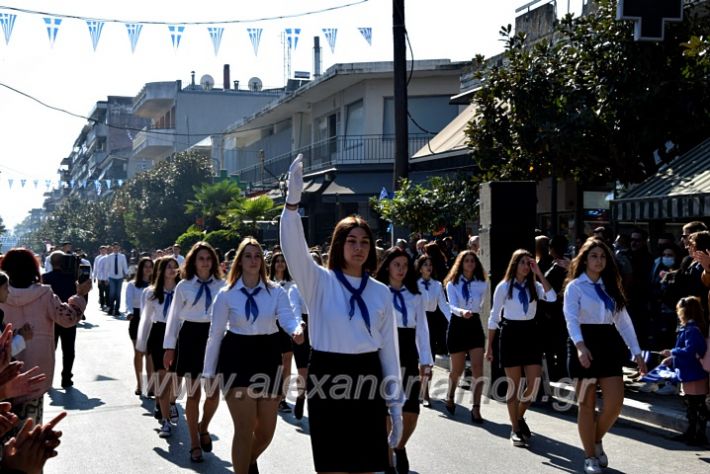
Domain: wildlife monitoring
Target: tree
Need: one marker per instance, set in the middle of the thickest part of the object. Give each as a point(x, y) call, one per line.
point(212, 200)
point(3, 229)
point(223, 239)
point(245, 214)
point(427, 208)
point(593, 104)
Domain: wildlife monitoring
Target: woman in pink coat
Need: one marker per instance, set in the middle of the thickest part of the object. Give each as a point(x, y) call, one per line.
point(36, 304)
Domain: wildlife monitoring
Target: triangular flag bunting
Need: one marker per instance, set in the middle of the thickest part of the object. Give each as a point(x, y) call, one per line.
point(71, 184)
point(120, 182)
point(216, 35)
point(83, 183)
point(97, 184)
point(176, 32)
point(255, 37)
point(35, 182)
point(366, 33)
point(7, 21)
point(292, 35)
point(23, 182)
point(47, 183)
point(52, 25)
point(330, 35)
point(108, 183)
point(9, 182)
point(95, 29)
point(134, 32)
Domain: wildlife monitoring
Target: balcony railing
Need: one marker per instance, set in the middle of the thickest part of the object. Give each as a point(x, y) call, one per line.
point(149, 143)
point(341, 150)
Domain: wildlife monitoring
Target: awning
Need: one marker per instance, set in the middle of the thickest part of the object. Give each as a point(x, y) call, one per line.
point(680, 190)
point(450, 141)
point(362, 185)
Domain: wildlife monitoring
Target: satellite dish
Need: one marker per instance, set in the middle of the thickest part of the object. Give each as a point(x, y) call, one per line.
point(207, 82)
point(255, 84)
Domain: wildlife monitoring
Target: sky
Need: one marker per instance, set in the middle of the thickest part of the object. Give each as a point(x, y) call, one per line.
point(70, 75)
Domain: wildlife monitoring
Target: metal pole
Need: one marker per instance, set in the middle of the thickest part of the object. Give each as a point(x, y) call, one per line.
point(401, 156)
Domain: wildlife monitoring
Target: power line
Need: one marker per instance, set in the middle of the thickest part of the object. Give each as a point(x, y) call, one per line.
point(213, 22)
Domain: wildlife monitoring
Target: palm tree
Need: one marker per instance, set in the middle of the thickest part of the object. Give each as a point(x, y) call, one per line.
point(249, 211)
point(212, 200)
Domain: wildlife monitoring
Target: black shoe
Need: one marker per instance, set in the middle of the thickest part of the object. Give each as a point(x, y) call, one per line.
point(401, 461)
point(283, 407)
point(524, 429)
point(426, 403)
point(450, 406)
point(476, 415)
point(254, 469)
point(196, 458)
point(156, 412)
point(298, 409)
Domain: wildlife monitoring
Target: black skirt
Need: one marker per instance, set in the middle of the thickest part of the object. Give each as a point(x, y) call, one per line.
point(155, 344)
point(348, 432)
point(438, 326)
point(609, 352)
point(252, 362)
point(465, 334)
point(285, 342)
point(133, 324)
point(302, 352)
point(519, 343)
point(190, 348)
point(409, 361)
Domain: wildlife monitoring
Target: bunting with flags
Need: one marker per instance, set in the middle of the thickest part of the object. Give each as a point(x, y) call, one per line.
point(292, 35)
point(330, 35)
point(176, 32)
point(95, 29)
point(134, 32)
point(366, 33)
point(7, 21)
point(52, 25)
point(23, 182)
point(255, 38)
point(9, 183)
point(216, 35)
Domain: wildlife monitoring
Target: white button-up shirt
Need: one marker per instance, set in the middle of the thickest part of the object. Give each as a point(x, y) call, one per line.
point(116, 266)
point(183, 309)
point(434, 297)
point(133, 296)
point(416, 318)
point(582, 305)
point(151, 312)
point(511, 308)
point(458, 304)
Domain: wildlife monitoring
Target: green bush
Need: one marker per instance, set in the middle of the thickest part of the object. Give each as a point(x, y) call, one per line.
point(188, 239)
point(223, 239)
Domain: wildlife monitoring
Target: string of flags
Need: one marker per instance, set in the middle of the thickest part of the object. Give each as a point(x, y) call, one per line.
point(48, 184)
point(176, 31)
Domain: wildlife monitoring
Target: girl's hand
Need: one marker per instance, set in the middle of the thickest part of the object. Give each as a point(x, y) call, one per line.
point(666, 353)
point(668, 362)
point(534, 268)
point(168, 358)
point(489, 353)
point(295, 181)
point(584, 356)
point(467, 315)
point(641, 364)
point(297, 335)
point(704, 258)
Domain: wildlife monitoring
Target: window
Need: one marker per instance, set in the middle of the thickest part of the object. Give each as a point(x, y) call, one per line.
point(432, 113)
point(355, 118)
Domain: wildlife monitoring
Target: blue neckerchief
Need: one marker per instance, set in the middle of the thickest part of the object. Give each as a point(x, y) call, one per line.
point(465, 288)
point(166, 302)
point(522, 295)
point(426, 284)
point(356, 296)
point(608, 302)
point(398, 300)
point(250, 306)
point(204, 287)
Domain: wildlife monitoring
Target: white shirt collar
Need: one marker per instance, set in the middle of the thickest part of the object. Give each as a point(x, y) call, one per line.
point(240, 284)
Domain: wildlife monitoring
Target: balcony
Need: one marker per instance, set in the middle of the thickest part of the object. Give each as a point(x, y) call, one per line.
point(96, 159)
point(155, 99)
point(333, 152)
point(153, 143)
point(99, 130)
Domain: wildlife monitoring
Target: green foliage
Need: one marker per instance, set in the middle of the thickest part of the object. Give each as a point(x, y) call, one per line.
point(242, 216)
point(189, 238)
point(440, 202)
point(3, 229)
point(593, 104)
point(212, 200)
point(223, 239)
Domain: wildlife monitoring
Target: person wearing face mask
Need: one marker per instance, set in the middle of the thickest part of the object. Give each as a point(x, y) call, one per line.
point(663, 324)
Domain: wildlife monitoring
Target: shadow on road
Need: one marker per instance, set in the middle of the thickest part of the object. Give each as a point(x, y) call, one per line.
point(87, 325)
point(73, 399)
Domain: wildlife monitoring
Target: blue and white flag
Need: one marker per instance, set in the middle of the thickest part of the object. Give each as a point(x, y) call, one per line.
point(366, 33)
point(23, 182)
point(7, 21)
point(384, 194)
point(120, 182)
point(108, 184)
point(330, 35)
point(176, 32)
point(255, 37)
point(216, 35)
point(35, 182)
point(71, 184)
point(52, 25)
point(9, 182)
point(292, 35)
point(95, 29)
point(47, 183)
point(134, 32)
point(83, 183)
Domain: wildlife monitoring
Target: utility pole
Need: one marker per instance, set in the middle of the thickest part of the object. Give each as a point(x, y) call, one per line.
point(401, 155)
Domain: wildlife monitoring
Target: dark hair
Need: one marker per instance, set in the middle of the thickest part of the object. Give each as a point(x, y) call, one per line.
point(159, 285)
point(22, 267)
point(420, 261)
point(512, 270)
point(236, 271)
point(336, 252)
point(189, 268)
point(316, 256)
point(383, 271)
point(457, 268)
point(438, 261)
point(272, 267)
point(701, 240)
point(559, 245)
point(138, 280)
point(610, 275)
point(692, 309)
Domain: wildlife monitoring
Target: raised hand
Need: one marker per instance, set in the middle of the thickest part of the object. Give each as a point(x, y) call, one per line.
point(295, 181)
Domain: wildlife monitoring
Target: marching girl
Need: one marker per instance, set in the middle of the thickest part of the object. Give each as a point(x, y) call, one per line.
point(438, 314)
point(413, 334)
point(278, 272)
point(134, 293)
point(520, 350)
point(352, 331)
point(248, 355)
point(600, 331)
point(151, 332)
point(187, 329)
point(466, 286)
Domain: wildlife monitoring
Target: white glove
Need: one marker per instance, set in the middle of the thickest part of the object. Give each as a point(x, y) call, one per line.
point(396, 433)
point(295, 181)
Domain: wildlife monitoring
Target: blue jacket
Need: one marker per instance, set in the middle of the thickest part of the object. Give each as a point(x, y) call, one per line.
point(689, 346)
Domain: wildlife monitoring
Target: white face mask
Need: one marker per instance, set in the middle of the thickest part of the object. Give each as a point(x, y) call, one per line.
point(668, 261)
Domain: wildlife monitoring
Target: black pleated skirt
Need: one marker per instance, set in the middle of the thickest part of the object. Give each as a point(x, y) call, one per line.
point(190, 348)
point(285, 341)
point(133, 325)
point(465, 334)
point(409, 360)
point(609, 352)
point(155, 344)
point(302, 352)
point(438, 327)
point(348, 430)
point(520, 343)
point(252, 362)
